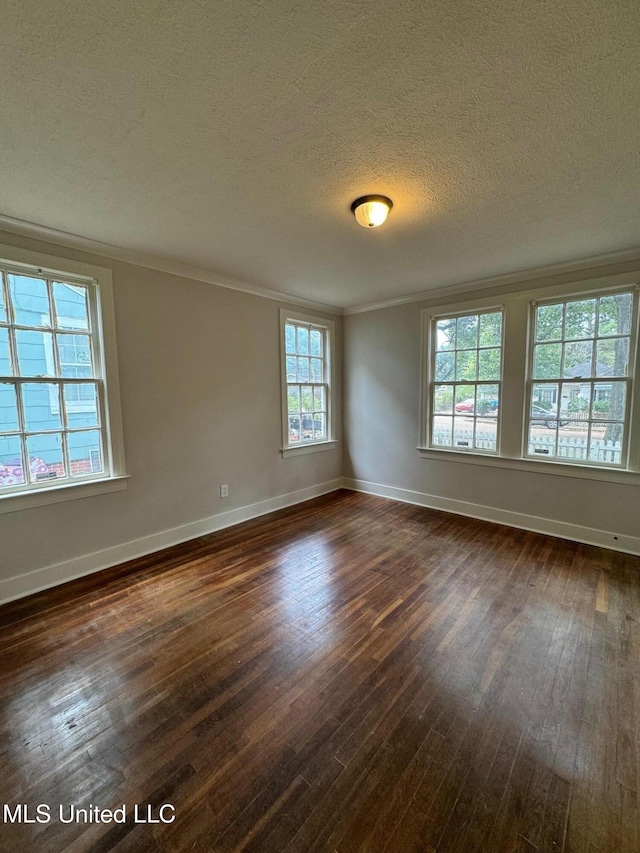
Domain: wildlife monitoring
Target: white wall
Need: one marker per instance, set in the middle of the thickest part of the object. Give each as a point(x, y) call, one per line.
point(200, 389)
point(382, 361)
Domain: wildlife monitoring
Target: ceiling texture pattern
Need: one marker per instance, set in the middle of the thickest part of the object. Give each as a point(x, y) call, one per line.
point(233, 135)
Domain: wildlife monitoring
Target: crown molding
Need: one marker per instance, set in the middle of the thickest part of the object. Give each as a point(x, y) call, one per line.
point(593, 266)
point(22, 228)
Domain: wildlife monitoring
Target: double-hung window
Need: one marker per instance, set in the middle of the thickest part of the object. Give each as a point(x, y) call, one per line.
point(465, 389)
point(307, 344)
point(57, 427)
point(581, 379)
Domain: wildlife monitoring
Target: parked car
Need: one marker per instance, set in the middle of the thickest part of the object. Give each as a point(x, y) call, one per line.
point(485, 407)
point(540, 415)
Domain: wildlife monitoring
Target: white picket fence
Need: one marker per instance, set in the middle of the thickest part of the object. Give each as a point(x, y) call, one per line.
point(569, 447)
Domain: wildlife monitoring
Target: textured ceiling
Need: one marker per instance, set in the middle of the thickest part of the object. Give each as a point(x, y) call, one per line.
point(233, 135)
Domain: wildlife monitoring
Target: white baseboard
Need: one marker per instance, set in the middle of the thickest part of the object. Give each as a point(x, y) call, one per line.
point(575, 532)
point(26, 584)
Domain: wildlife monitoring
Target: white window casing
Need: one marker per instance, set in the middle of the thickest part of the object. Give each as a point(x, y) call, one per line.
point(307, 383)
point(79, 360)
point(533, 407)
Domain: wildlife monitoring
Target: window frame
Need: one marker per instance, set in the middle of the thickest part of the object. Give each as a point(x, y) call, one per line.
point(432, 383)
point(623, 465)
point(517, 300)
point(327, 327)
point(98, 281)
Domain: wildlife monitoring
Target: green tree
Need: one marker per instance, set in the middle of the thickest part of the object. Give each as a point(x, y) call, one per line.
point(620, 310)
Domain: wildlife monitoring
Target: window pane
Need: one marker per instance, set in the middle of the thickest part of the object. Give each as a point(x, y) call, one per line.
point(491, 329)
point(487, 400)
point(465, 399)
point(549, 323)
point(485, 435)
point(541, 442)
point(295, 429)
point(81, 404)
point(75, 356)
point(544, 401)
point(292, 369)
point(443, 400)
point(609, 401)
point(577, 360)
point(306, 398)
point(612, 357)
point(290, 338)
point(85, 454)
point(3, 307)
point(293, 398)
point(605, 443)
point(467, 332)
point(11, 473)
point(45, 457)
point(462, 432)
point(615, 315)
point(307, 427)
point(442, 432)
point(319, 427)
point(572, 439)
point(5, 356)
point(445, 366)
point(35, 353)
point(30, 300)
point(546, 361)
point(71, 306)
point(446, 334)
point(316, 343)
point(41, 405)
point(316, 370)
point(8, 408)
point(489, 364)
point(466, 365)
point(575, 400)
point(303, 369)
point(319, 400)
point(303, 340)
point(580, 319)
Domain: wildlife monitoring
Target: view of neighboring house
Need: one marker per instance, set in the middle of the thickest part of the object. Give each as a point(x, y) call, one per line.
point(46, 368)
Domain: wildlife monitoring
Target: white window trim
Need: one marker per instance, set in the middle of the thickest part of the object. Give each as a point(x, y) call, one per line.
point(328, 443)
point(103, 319)
point(515, 367)
point(633, 343)
point(428, 383)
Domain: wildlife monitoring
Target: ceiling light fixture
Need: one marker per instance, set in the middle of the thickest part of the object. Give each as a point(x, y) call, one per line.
point(371, 210)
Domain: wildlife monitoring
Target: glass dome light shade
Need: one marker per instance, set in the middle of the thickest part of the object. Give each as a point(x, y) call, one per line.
point(371, 210)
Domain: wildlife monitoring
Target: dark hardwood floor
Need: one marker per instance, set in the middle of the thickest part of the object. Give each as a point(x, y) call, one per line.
point(350, 674)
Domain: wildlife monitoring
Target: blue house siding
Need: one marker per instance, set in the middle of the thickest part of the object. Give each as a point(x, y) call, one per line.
point(34, 353)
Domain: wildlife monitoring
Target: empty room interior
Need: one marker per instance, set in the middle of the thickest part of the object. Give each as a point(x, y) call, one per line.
point(320, 426)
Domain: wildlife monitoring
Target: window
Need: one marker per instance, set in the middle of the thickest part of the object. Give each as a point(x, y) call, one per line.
point(466, 362)
point(580, 385)
point(306, 346)
point(546, 379)
point(58, 424)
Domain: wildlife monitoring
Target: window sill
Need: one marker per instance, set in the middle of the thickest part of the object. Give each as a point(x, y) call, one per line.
point(312, 447)
point(57, 494)
point(563, 469)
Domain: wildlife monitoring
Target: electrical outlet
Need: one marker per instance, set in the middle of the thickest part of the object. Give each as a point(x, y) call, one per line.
point(224, 490)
